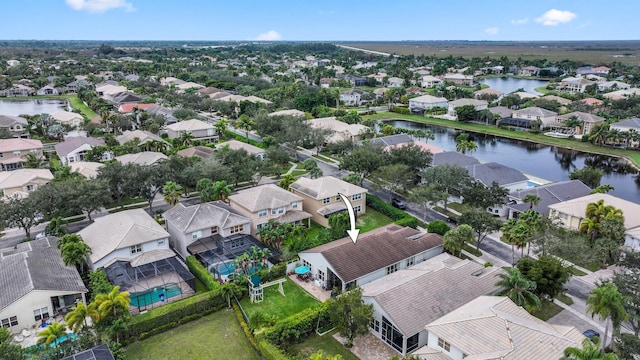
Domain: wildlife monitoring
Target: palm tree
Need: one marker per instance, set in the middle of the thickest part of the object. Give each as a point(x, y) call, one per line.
point(221, 127)
point(112, 302)
point(602, 189)
point(607, 302)
point(186, 138)
point(286, 181)
point(68, 238)
point(466, 146)
point(227, 290)
point(573, 123)
point(245, 123)
point(599, 133)
point(33, 161)
point(76, 253)
point(519, 289)
point(76, 319)
point(171, 192)
point(532, 199)
point(221, 190)
point(590, 351)
point(315, 172)
point(52, 333)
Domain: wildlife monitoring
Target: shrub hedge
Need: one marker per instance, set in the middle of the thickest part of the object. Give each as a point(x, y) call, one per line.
point(438, 227)
point(272, 352)
point(400, 217)
point(295, 327)
point(202, 274)
point(245, 327)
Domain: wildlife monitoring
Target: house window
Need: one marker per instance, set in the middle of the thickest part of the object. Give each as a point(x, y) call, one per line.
point(411, 261)
point(9, 322)
point(338, 198)
point(355, 197)
point(260, 226)
point(17, 153)
point(279, 210)
point(236, 229)
point(357, 208)
point(320, 275)
point(29, 187)
point(444, 345)
point(136, 249)
point(262, 213)
point(326, 201)
point(375, 325)
point(161, 242)
point(294, 205)
point(391, 269)
point(195, 235)
point(214, 230)
point(40, 314)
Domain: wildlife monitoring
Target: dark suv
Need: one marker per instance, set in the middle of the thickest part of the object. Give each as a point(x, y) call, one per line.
point(590, 334)
point(397, 202)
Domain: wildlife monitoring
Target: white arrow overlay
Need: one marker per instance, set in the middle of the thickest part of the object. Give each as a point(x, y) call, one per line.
point(353, 233)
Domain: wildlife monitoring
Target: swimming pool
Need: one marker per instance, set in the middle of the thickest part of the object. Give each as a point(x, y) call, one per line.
point(58, 341)
point(228, 268)
point(154, 295)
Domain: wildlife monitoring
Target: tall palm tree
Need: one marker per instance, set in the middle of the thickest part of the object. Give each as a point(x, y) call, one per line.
point(227, 290)
point(221, 190)
point(607, 302)
point(52, 333)
point(76, 253)
point(245, 123)
point(186, 138)
point(519, 289)
point(171, 192)
point(532, 199)
point(466, 146)
point(286, 181)
point(76, 319)
point(590, 351)
point(113, 302)
point(221, 127)
point(33, 161)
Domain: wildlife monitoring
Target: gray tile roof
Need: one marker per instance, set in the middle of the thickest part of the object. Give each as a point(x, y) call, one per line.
point(324, 187)
point(261, 197)
point(392, 140)
point(633, 123)
point(453, 158)
point(535, 111)
point(8, 120)
point(35, 265)
point(487, 173)
point(582, 116)
point(203, 216)
point(375, 250)
point(550, 194)
point(70, 144)
point(414, 297)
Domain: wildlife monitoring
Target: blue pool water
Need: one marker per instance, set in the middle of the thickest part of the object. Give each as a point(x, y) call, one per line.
point(228, 269)
point(60, 340)
point(154, 295)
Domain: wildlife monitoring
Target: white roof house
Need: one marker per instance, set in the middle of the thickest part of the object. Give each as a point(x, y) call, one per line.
point(423, 102)
point(68, 118)
point(22, 181)
point(143, 136)
point(250, 149)
point(124, 235)
point(341, 130)
point(199, 129)
point(289, 112)
point(144, 158)
point(87, 169)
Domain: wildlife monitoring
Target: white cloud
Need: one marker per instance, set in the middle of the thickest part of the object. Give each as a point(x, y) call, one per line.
point(555, 17)
point(98, 6)
point(519, 21)
point(492, 30)
point(269, 36)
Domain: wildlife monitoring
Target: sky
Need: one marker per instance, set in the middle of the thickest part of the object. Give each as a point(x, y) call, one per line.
point(326, 20)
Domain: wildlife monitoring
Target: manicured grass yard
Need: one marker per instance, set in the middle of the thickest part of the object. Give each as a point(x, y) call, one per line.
point(372, 220)
point(547, 311)
point(274, 303)
point(76, 103)
point(216, 336)
point(327, 343)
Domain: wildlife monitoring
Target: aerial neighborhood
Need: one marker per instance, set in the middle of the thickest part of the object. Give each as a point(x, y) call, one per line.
point(315, 201)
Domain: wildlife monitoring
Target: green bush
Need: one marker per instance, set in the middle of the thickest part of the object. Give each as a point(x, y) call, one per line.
point(438, 227)
point(295, 327)
point(400, 110)
point(202, 273)
point(243, 324)
point(272, 352)
point(409, 221)
point(379, 205)
point(277, 271)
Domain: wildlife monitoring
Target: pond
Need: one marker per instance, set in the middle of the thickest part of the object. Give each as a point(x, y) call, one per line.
point(31, 107)
point(510, 84)
point(547, 162)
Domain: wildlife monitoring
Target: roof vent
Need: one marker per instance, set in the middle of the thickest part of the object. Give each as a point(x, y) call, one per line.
point(478, 272)
point(414, 237)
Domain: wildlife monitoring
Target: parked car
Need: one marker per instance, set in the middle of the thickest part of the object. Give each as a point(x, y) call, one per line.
point(590, 334)
point(397, 202)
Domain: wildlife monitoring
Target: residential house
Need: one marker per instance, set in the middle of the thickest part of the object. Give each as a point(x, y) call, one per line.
point(188, 85)
point(36, 285)
point(67, 118)
point(125, 97)
point(459, 79)
point(612, 85)
point(47, 90)
point(395, 82)
point(75, 149)
point(214, 223)
point(107, 90)
point(547, 117)
point(589, 121)
point(144, 158)
point(326, 82)
point(341, 130)
point(487, 91)
point(87, 169)
point(548, 194)
point(74, 86)
point(421, 103)
point(17, 90)
point(575, 84)
point(13, 152)
point(343, 264)
point(289, 112)
point(198, 129)
point(453, 158)
point(128, 108)
point(429, 81)
point(169, 80)
point(500, 112)
point(479, 105)
point(321, 199)
point(632, 124)
point(508, 178)
point(622, 94)
point(143, 137)
point(352, 97)
point(203, 152)
point(250, 149)
point(23, 181)
point(529, 71)
point(523, 95)
point(379, 77)
point(355, 80)
point(392, 140)
point(560, 100)
point(592, 101)
point(269, 202)
point(17, 126)
point(405, 301)
point(492, 327)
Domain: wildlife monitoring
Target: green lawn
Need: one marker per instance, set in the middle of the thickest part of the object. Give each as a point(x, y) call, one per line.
point(565, 299)
point(77, 104)
point(274, 304)
point(372, 220)
point(547, 311)
point(314, 230)
point(216, 336)
point(327, 343)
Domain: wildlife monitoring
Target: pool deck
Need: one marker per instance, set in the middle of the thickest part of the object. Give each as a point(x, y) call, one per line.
point(312, 288)
point(160, 281)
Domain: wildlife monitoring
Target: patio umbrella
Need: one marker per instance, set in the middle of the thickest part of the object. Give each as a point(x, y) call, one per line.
point(302, 270)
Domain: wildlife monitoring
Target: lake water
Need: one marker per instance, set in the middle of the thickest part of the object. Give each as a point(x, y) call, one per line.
point(547, 162)
point(31, 107)
point(509, 84)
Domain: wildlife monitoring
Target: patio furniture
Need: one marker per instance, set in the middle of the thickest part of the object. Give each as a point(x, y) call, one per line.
point(18, 338)
point(25, 333)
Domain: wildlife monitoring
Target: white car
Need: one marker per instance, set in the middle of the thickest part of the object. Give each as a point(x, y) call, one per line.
point(41, 235)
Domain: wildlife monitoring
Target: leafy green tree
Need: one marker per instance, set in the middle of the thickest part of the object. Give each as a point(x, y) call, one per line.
point(204, 188)
point(320, 355)
point(9, 350)
point(76, 253)
point(56, 227)
point(364, 160)
point(518, 288)
point(438, 227)
point(627, 280)
point(607, 302)
point(427, 195)
point(455, 239)
point(350, 315)
point(448, 179)
point(480, 196)
point(628, 346)
point(90, 195)
point(411, 155)
point(393, 177)
point(590, 350)
point(339, 224)
point(51, 334)
point(23, 213)
point(171, 192)
point(481, 222)
point(466, 113)
point(588, 175)
point(547, 272)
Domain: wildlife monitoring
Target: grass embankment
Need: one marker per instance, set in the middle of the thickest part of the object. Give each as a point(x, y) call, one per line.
point(77, 104)
point(576, 144)
point(216, 336)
